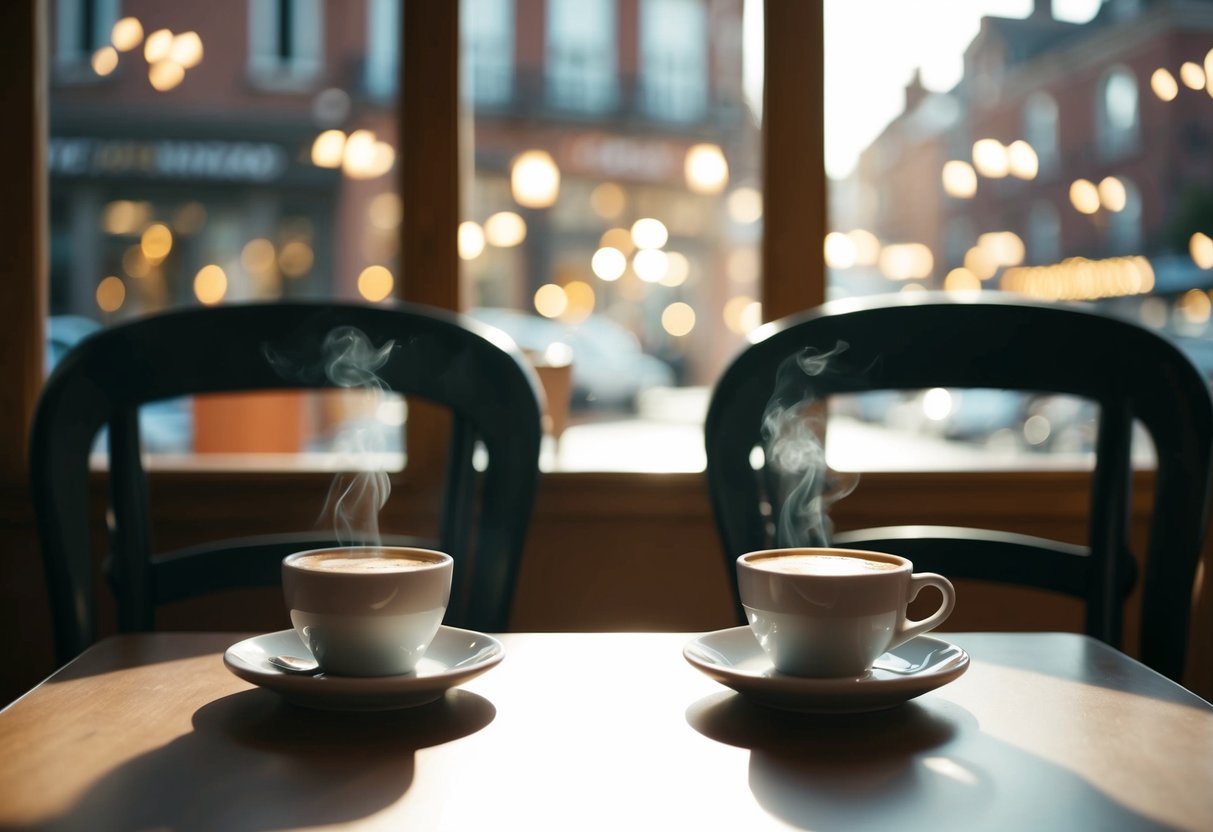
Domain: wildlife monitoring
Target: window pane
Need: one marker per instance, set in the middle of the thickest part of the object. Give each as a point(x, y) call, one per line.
point(1058, 150)
point(613, 215)
point(226, 152)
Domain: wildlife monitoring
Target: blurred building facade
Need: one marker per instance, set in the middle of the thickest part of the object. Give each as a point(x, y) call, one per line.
point(1072, 161)
point(244, 149)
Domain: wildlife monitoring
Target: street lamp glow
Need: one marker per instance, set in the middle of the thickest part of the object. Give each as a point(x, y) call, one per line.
point(707, 171)
point(1164, 85)
point(608, 264)
point(959, 179)
point(649, 233)
point(990, 158)
point(535, 179)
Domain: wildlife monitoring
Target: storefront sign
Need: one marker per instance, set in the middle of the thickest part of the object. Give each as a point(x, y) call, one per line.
point(169, 159)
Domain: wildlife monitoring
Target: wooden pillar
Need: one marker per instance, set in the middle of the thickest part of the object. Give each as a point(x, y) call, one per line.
point(794, 178)
point(23, 221)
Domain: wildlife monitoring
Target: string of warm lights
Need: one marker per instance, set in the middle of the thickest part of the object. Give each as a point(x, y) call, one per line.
point(168, 54)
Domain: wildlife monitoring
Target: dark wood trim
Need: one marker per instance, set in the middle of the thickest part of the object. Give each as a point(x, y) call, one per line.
point(23, 221)
point(794, 179)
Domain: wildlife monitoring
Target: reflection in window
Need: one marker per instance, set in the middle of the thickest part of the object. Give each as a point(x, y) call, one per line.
point(285, 42)
point(1040, 129)
point(581, 65)
point(81, 28)
point(1044, 233)
point(382, 54)
point(1117, 121)
point(488, 44)
point(673, 55)
point(1124, 226)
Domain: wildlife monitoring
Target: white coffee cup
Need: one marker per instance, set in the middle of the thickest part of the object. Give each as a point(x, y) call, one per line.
point(367, 610)
point(832, 612)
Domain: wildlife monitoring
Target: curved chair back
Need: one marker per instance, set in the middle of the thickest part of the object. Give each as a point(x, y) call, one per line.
point(933, 340)
point(470, 369)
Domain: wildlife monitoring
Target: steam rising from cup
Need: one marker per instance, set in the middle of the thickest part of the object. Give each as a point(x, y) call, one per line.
point(355, 498)
point(792, 430)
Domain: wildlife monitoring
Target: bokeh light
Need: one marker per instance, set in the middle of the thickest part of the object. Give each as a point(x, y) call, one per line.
point(839, 250)
point(580, 300)
point(677, 269)
point(1022, 160)
point(1200, 246)
point(608, 263)
point(678, 319)
point(1195, 306)
point(111, 294)
point(165, 75)
point(650, 265)
point(619, 238)
point(961, 280)
point(867, 246)
point(296, 258)
point(258, 256)
point(990, 158)
point(470, 239)
point(608, 200)
point(1112, 194)
point(375, 283)
point(158, 45)
point(906, 261)
point(186, 49)
point(504, 229)
point(1164, 85)
point(328, 149)
point(126, 34)
point(535, 179)
point(105, 60)
point(959, 179)
point(649, 233)
point(1192, 75)
point(550, 300)
point(706, 170)
point(745, 205)
point(1084, 196)
point(210, 284)
point(156, 242)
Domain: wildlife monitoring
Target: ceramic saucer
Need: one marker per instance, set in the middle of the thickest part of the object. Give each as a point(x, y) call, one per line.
point(454, 657)
point(734, 658)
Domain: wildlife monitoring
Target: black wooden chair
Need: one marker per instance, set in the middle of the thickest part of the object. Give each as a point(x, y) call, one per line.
point(470, 369)
point(933, 340)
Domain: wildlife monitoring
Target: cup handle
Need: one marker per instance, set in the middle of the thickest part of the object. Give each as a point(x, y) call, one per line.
point(909, 629)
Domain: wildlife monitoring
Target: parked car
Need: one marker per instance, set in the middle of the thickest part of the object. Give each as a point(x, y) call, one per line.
point(609, 368)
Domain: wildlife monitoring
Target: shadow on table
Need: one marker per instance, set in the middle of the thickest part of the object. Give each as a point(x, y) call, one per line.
point(917, 766)
point(255, 762)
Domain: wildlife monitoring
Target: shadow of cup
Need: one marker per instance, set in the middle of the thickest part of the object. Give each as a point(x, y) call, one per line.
point(853, 771)
point(254, 761)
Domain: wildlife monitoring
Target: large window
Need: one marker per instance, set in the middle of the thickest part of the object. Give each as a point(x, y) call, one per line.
point(1044, 149)
point(674, 59)
point(581, 68)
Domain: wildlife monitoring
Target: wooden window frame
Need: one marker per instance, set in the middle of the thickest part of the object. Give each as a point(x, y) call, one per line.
point(667, 514)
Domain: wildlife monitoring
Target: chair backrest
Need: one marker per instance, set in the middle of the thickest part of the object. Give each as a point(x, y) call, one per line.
point(932, 340)
point(472, 370)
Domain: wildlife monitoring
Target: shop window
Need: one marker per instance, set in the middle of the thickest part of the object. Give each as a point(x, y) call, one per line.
point(673, 49)
point(286, 42)
point(581, 72)
point(488, 50)
point(81, 28)
point(1040, 130)
point(1116, 125)
point(382, 48)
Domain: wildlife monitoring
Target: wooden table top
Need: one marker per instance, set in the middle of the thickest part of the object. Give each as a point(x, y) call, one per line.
point(607, 731)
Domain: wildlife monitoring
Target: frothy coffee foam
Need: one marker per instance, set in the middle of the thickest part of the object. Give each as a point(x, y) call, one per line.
point(823, 565)
point(361, 564)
